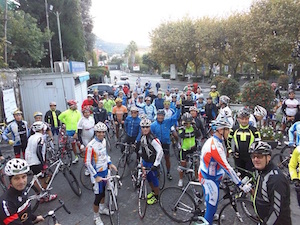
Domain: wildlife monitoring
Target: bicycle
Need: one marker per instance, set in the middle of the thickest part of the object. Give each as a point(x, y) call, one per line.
point(127, 158)
point(282, 162)
point(142, 193)
point(59, 165)
point(51, 213)
point(64, 146)
point(85, 178)
point(175, 146)
point(2, 128)
point(4, 182)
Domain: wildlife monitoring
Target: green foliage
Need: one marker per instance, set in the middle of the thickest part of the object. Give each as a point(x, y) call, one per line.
point(97, 73)
point(258, 93)
point(229, 87)
point(268, 133)
point(283, 81)
point(217, 80)
point(166, 75)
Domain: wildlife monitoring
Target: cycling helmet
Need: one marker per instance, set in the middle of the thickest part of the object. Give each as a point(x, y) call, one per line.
point(37, 126)
point(260, 111)
point(134, 108)
point(193, 108)
point(159, 93)
point(104, 93)
point(224, 99)
point(167, 102)
point(243, 112)
point(86, 109)
point(90, 95)
point(16, 166)
point(213, 87)
point(37, 114)
point(161, 112)
point(291, 91)
point(174, 95)
point(201, 96)
point(187, 118)
point(188, 93)
point(100, 127)
point(145, 122)
point(118, 100)
point(148, 99)
point(219, 123)
point(52, 103)
point(72, 102)
point(260, 147)
point(17, 111)
point(141, 96)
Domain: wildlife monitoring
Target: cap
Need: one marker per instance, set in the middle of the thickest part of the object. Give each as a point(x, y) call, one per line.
point(90, 95)
point(52, 103)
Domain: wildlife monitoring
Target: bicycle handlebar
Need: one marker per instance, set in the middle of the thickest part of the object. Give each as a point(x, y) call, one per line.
point(52, 212)
point(110, 177)
point(126, 144)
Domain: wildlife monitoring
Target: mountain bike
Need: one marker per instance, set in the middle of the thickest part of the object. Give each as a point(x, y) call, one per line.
point(35, 196)
point(127, 159)
point(51, 213)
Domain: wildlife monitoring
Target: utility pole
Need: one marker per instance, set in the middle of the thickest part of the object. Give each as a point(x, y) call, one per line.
point(59, 36)
point(50, 47)
point(5, 33)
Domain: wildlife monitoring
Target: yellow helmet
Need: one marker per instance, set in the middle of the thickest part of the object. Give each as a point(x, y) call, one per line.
point(118, 100)
point(37, 114)
point(17, 111)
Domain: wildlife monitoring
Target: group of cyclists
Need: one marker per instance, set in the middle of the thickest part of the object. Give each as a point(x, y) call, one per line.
point(149, 122)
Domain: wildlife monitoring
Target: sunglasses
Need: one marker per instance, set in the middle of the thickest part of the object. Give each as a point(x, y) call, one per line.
point(259, 156)
point(145, 127)
point(132, 112)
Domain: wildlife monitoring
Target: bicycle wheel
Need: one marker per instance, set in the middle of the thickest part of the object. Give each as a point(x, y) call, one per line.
point(142, 199)
point(178, 206)
point(108, 141)
point(161, 176)
point(85, 178)
point(245, 213)
point(113, 209)
point(34, 197)
point(134, 175)
point(282, 161)
point(66, 156)
point(286, 151)
point(122, 165)
point(72, 180)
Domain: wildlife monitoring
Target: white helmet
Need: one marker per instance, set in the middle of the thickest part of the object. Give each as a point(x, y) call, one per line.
point(224, 99)
point(100, 127)
point(213, 86)
point(145, 123)
point(16, 166)
point(201, 96)
point(219, 123)
point(134, 108)
point(260, 111)
point(37, 126)
point(193, 108)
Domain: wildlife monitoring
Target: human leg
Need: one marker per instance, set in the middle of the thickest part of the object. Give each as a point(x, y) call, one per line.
point(211, 192)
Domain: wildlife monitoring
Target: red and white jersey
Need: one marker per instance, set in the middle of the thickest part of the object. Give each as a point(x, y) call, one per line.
point(213, 162)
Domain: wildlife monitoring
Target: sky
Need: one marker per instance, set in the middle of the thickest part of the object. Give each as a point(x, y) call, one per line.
point(122, 21)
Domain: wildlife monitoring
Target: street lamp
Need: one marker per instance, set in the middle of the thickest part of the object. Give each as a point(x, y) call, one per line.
point(48, 27)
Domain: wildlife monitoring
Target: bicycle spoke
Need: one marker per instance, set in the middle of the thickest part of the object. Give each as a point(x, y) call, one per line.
point(85, 178)
point(142, 199)
point(73, 182)
point(113, 209)
point(122, 165)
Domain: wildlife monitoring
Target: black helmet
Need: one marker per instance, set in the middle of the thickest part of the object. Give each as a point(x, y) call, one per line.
point(161, 112)
point(260, 147)
point(243, 112)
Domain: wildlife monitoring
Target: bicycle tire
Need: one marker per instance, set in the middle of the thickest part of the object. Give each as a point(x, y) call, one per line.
point(122, 165)
point(185, 209)
point(134, 177)
point(35, 200)
point(161, 176)
point(176, 151)
point(113, 208)
point(142, 202)
point(3, 188)
point(246, 212)
point(85, 179)
point(72, 180)
point(108, 141)
point(66, 157)
point(282, 162)
point(286, 151)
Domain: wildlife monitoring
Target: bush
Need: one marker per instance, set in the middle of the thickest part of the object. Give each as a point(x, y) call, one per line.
point(258, 93)
point(229, 87)
point(283, 81)
point(165, 75)
point(217, 80)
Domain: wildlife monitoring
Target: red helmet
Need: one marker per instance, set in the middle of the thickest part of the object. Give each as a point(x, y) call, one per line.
point(72, 102)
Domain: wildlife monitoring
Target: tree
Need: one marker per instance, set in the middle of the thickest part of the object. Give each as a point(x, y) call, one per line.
point(130, 52)
point(150, 62)
point(87, 23)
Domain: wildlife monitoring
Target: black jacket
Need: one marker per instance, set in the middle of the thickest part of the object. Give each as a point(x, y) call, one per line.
point(272, 199)
point(49, 118)
point(100, 115)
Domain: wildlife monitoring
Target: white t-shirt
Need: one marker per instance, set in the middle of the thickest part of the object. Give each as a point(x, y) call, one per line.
point(87, 127)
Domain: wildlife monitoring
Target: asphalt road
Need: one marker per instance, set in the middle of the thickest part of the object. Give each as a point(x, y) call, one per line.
point(81, 207)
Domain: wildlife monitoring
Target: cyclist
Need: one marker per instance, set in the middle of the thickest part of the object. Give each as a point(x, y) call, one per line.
point(289, 109)
point(213, 165)
point(38, 116)
point(243, 136)
point(108, 104)
point(51, 117)
point(35, 156)
point(152, 154)
point(98, 162)
point(150, 109)
point(187, 103)
point(259, 113)
point(211, 110)
point(159, 101)
point(119, 113)
point(293, 169)
point(225, 111)
point(96, 97)
point(15, 207)
point(173, 102)
point(140, 104)
point(214, 94)
point(188, 134)
point(85, 127)
point(88, 103)
point(272, 192)
point(200, 104)
point(169, 112)
point(161, 129)
point(70, 118)
point(132, 127)
point(100, 113)
point(168, 96)
point(198, 122)
point(19, 132)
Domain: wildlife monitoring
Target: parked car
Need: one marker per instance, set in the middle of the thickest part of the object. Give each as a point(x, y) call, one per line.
point(124, 76)
point(109, 88)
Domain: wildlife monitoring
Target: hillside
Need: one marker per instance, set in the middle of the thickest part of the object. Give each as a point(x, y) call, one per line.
point(110, 48)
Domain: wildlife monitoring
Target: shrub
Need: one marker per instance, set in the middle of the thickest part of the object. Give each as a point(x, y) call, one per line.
point(229, 87)
point(258, 93)
point(165, 75)
point(283, 81)
point(217, 80)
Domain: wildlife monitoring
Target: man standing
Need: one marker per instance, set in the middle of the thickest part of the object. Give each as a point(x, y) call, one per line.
point(70, 118)
point(272, 192)
point(51, 117)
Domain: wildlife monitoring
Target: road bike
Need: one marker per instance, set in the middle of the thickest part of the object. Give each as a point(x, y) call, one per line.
point(52, 220)
point(64, 146)
point(128, 159)
point(175, 146)
point(85, 178)
point(282, 162)
point(4, 182)
point(35, 195)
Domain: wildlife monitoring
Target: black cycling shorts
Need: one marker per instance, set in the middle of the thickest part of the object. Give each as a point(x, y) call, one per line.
point(166, 149)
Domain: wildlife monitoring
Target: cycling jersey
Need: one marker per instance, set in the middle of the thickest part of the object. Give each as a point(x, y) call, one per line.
point(150, 111)
point(15, 208)
point(31, 151)
point(132, 126)
point(19, 131)
point(100, 115)
point(290, 107)
point(294, 128)
point(158, 103)
point(226, 112)
point(272, 196)
point(215, 96)
point(186, 104)
point(188, 137)
point(201, 107)
point(294, 164)
point(252, 121)
point(108, 105)
point(86, 125)
point(151, 149)
point(70, 118)
point(169, 113)
point(140, 106)
point(119, 112)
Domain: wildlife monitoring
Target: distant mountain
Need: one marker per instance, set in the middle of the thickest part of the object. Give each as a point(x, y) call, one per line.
point(110, 48)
